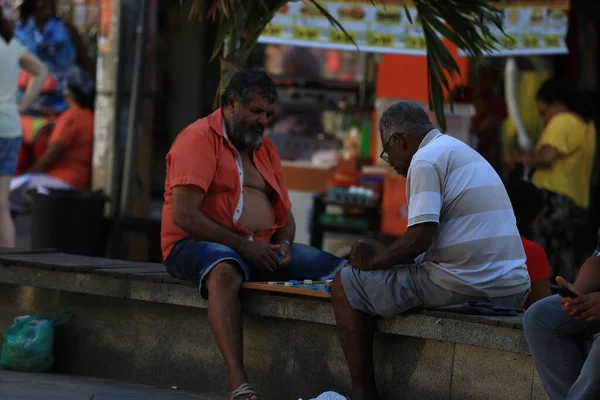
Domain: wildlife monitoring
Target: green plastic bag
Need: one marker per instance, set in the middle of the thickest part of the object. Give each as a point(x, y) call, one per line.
point(29, 343)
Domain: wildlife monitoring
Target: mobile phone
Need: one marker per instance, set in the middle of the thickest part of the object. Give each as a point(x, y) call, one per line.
point(566, 292)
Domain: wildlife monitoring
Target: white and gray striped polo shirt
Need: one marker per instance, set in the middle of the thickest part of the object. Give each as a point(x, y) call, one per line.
point(477, 249)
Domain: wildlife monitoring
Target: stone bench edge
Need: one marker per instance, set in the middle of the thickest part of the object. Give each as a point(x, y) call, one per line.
point(464, 329)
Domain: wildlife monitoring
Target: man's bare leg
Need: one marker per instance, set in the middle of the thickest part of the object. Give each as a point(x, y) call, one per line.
point(356, 331)
point(225, 318)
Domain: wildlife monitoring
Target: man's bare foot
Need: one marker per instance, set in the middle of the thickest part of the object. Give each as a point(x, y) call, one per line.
point(244, 392)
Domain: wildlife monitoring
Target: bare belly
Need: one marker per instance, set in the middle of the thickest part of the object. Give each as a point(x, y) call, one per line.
point(257, 214)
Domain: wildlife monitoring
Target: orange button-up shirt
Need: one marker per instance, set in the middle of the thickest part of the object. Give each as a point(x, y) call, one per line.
point(203, 156)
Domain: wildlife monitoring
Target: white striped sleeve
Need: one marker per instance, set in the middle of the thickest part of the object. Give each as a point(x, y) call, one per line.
point(424, 192)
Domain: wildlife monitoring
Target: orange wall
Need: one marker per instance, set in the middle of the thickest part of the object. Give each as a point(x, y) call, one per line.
point(402, 77)
point(405, 77)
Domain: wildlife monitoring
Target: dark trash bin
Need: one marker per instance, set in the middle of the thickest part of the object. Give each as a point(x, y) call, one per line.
point(70, 221)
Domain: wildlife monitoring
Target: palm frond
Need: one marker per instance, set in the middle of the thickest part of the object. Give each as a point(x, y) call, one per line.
point(462, 22)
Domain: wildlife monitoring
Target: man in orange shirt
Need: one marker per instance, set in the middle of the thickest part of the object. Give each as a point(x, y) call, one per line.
point(227, 214)
point(67, 161)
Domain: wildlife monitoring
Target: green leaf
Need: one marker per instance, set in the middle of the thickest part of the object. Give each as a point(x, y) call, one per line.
point(459, 28)
point(436, 98)
point(407, 12)
point(219, 41)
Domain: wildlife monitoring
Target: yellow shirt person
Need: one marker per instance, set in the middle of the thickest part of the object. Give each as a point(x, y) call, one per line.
point(569, 175)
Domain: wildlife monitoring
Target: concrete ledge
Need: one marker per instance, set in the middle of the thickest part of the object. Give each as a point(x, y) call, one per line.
point(504, 333)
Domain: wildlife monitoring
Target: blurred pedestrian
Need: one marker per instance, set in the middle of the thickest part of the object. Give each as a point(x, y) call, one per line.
point(563, 160)
point(13, 57)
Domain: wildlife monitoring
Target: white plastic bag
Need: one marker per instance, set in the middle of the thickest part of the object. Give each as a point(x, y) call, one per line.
point(329, 396)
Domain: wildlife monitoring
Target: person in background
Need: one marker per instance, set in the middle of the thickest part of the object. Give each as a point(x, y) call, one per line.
point(299, 63)
point(532, 73)
point(563, 160)
point(490, 112)
point(555, 329)
point(527, 202)
point(58, 44)
point(66, 163)
point(13, 57)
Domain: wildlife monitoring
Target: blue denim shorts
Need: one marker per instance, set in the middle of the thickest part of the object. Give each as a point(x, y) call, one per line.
point(192, 260)
point(9, 155)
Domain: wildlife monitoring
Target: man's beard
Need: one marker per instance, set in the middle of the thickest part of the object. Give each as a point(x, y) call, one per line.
point(244, 137)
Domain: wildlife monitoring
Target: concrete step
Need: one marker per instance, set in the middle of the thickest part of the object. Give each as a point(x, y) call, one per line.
point(20, 385)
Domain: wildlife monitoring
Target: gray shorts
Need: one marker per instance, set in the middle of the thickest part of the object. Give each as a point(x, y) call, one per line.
point(391, 292)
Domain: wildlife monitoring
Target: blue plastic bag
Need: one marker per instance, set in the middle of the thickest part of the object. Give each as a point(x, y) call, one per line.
point(29, 343)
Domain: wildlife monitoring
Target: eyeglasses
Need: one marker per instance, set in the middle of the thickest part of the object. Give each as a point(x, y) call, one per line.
point(384, 153)
point(384, 156)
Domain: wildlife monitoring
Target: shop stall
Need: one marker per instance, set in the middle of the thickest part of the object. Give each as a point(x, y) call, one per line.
point(350, 91)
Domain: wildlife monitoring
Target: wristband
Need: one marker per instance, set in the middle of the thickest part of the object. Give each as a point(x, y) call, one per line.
point(286, 242)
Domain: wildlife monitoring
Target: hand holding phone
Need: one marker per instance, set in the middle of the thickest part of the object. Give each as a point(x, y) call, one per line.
point(565, 289)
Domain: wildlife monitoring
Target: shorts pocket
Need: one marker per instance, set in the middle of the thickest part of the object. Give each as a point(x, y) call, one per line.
point(400, 291)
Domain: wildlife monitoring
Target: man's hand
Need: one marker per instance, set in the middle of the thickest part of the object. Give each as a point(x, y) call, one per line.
point(262, 254)
point(586, 306)
point(285, 251)
point(542, 158)
point(361, 255)
point(565, 302)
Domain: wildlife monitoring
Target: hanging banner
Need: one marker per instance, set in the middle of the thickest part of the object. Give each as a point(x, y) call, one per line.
point(374, 29)
point(532, 28)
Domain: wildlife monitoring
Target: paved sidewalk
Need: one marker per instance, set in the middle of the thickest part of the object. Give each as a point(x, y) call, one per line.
point(26, 386)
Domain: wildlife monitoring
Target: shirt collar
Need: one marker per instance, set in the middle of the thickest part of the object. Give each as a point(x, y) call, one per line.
point(216, 122)
point(225, 130)
point(430, 137)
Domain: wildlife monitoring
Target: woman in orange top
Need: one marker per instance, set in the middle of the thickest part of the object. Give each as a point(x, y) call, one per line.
point(66, 163)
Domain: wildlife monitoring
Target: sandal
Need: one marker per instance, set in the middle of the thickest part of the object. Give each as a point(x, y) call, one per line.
point(245, 389)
